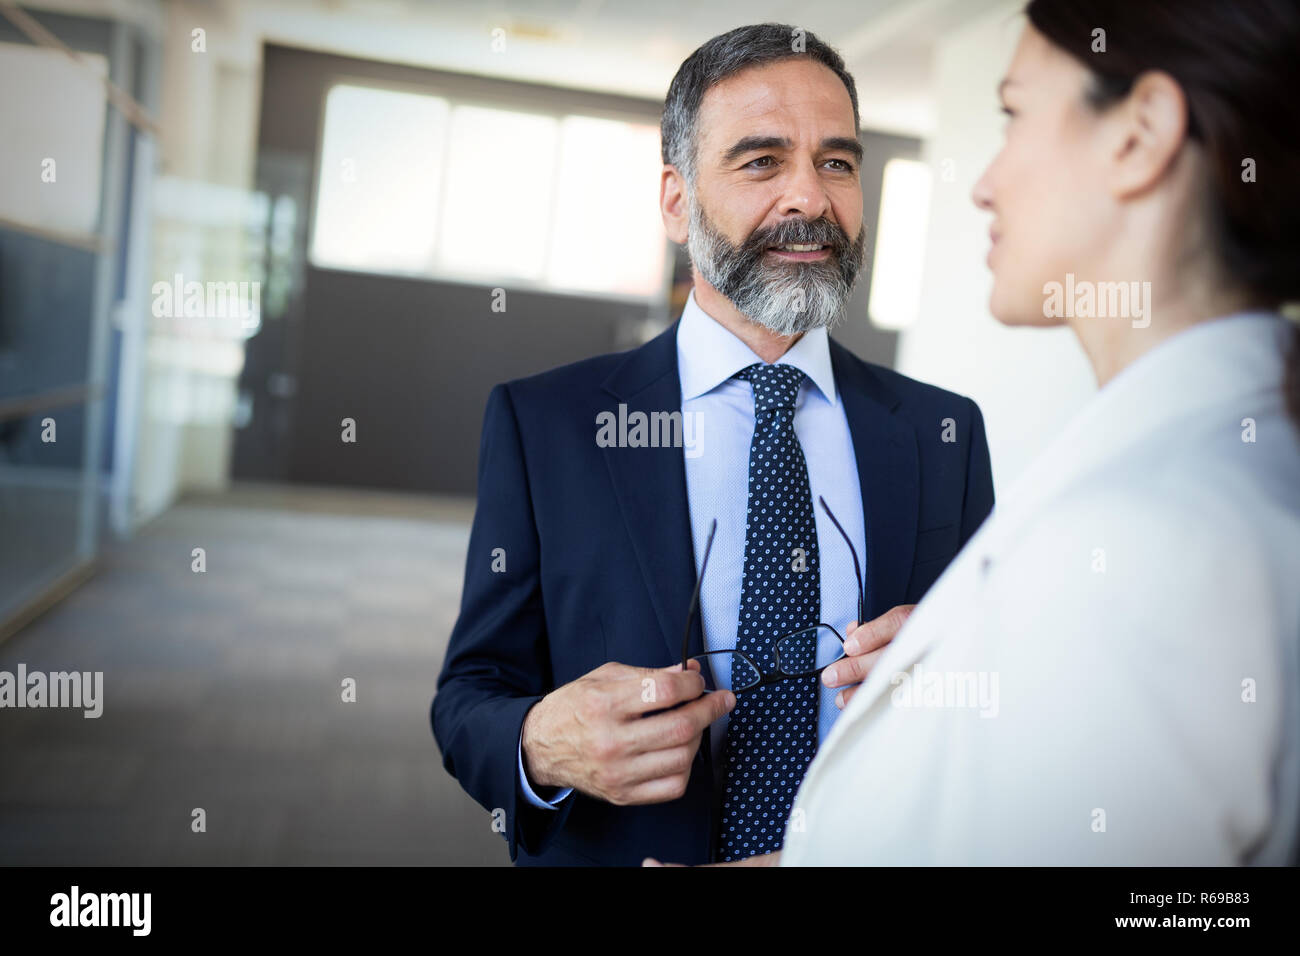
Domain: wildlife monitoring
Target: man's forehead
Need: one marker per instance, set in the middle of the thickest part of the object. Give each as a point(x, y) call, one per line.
point(763, 100)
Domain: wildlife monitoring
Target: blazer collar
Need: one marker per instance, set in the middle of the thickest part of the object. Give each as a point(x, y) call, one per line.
point(1214, 363)
point(650, 483)
point(1189, 376)
point(884, 447)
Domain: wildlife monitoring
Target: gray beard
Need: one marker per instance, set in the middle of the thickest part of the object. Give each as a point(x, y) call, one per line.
point(789, 297)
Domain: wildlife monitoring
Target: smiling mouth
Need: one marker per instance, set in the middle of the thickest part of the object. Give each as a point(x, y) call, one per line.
point(801, 251)
point(798, 247)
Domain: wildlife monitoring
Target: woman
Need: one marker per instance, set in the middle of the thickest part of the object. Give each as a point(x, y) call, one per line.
point(1108, 673)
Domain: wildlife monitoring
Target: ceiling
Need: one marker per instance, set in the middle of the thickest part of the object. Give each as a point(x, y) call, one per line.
point(627, 46)
point(623, 46)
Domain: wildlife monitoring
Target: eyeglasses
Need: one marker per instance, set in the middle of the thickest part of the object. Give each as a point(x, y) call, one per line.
point(802, 653)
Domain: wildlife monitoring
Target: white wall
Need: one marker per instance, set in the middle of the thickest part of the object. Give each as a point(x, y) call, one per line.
point(1027, 382)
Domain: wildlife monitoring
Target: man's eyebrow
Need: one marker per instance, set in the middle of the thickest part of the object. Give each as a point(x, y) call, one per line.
point(749, 144)
point(847, 143)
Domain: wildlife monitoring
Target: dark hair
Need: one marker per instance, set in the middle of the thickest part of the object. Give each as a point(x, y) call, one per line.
point(719, 58)
point(1238, 64)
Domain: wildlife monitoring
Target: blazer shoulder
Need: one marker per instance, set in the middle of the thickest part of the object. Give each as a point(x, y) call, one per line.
point(895, 387)
point(587, 376)
point(584, 373)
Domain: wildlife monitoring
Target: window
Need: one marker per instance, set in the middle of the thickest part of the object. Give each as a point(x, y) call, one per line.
point(608, 235)
point(501, 169)
point(379, 180)
point(416, 184)
point(895, 298)
point(52, 114)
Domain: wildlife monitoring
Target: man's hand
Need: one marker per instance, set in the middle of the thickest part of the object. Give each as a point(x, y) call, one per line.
point(767, 859)
point(609, 733)
point(863, 644)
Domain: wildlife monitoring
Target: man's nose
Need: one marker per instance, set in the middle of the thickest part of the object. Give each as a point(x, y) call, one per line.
point(803, 191)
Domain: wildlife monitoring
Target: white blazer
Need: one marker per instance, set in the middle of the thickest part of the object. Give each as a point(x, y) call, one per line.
point(1108, 672)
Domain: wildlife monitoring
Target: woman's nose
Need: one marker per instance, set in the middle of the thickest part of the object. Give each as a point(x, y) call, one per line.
point(982, 194)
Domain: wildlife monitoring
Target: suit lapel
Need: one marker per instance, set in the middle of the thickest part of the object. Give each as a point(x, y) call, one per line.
point(884, 447)
point(650, 485)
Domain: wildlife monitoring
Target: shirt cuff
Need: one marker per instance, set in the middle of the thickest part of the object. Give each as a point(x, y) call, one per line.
point(529, 795)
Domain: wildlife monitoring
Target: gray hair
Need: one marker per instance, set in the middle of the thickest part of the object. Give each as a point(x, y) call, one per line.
point(724, 55)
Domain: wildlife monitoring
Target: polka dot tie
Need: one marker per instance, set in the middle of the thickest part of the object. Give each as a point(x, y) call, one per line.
point(772, 732)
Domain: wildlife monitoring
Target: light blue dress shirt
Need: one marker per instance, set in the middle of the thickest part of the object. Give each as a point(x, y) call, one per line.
point(717, 486)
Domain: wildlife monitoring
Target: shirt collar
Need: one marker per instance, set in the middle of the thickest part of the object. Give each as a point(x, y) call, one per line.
point(708, 354)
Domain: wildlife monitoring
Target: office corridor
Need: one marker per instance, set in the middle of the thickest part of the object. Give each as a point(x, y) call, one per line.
point(222, 690)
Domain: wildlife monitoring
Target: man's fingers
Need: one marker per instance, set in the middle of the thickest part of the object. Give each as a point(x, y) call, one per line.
point(682, 725)
point(712, 706)
point(843, 697)
point(876, 634)
point(656, 765)
point(657, 791)
point(691, 664)
point(851, 670)
point(648, 689)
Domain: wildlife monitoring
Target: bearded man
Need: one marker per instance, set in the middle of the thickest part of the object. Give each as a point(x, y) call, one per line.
point(601, 696)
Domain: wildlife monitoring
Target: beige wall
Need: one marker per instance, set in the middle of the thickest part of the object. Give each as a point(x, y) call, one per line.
point(208, 118)
point(1028, 382)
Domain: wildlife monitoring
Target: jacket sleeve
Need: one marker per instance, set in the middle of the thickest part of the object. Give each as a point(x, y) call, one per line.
point(498, 661)
point(978, 501)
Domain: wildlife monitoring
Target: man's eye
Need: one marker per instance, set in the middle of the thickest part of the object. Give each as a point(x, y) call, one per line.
point(845, 165)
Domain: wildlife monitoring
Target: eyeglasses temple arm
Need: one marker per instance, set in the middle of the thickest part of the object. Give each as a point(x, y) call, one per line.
point(857, 568)
point(695, 595)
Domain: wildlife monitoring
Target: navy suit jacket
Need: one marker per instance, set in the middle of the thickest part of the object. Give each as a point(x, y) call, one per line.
point(599, 566)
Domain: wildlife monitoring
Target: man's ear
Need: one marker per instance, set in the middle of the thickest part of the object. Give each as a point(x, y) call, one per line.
point(673, 204)
point(1152, 129)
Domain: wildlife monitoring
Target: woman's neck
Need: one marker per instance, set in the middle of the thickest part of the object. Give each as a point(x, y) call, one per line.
point(1112, 344)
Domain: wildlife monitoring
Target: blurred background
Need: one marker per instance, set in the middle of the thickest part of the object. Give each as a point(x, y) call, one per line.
point(261, 262)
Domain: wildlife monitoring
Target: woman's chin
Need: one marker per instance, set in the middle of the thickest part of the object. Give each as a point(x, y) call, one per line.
point(1002, 310)
point(1018, 310)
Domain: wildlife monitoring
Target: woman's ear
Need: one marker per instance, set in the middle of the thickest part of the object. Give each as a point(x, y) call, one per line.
point(1152, 128)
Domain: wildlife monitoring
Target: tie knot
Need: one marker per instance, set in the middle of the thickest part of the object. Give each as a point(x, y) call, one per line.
point(775, 386)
